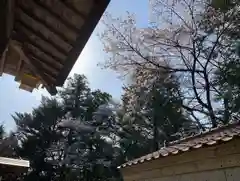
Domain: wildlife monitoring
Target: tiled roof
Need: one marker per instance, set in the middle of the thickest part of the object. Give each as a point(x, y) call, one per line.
point(209, 138)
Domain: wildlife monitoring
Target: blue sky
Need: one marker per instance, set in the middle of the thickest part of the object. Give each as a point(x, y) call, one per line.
point(12, 99)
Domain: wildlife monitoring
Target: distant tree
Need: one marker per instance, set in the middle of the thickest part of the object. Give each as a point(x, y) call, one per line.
point(223, 5)
point(51, 149)
point(154, 101)
point(70, 137)
point(8, 143)
point(36, 133)
point(74, 95)
point(89, 128)
point(2, 132)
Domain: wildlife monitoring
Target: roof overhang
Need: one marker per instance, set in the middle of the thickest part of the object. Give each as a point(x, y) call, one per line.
point(209, 138)
point(41, 40)
point(14, 162)
point(10, 167)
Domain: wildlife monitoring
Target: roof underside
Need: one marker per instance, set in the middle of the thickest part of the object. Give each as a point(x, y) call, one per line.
point(10, 168)
point(43, 39)
point(9, 164)
point(210, 138)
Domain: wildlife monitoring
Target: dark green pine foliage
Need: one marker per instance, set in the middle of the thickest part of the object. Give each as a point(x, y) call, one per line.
point(153, 111)
point(82, 135)
point(37, 132)
point(90, 150)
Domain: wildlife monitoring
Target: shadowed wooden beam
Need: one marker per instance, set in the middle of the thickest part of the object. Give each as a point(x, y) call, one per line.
point(42, 56)
point(3, 23)
point(19, 66)
point(39, 57)
point(23, 57)
point(83, 36)
point(72, 8)
point(30, 29)
point(42, 22)
point(32, 65)
point(23, 35)
point(10, 17)
point(57, 16)
point(45, 70)
point(6, 22)
point(2, 61)
point(51, 35)
point(51, 70)
point(23, 38)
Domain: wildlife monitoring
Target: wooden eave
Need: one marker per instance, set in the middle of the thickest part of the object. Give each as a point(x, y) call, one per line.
point(11, 162)
point(11, 168)
point(210, 138)
point(43, 38)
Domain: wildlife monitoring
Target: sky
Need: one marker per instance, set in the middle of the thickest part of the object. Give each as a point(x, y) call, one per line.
point(12, 99)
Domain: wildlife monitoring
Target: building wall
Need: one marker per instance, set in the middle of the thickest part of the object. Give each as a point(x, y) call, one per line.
point(216, 163)
point(231, 174)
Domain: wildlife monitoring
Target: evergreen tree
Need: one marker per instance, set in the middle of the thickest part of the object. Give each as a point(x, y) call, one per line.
point(90, 132)
point(36, 133)
point(154, 106)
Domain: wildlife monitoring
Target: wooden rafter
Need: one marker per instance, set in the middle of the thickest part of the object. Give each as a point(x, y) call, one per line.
point(51, 70)
point(42, 22)
point(72, 8)
point(6, 22)
point(90, 23)
point(2, 61)
point(19, 66)
point(24, 37)
point(57, 62)
point(3, 29)
point(42, 67)
point(43, 73)
point(43, 57)
point(48, 34)
point(21, 24)
point(47, 83)
point(53, 65)
point(46, 38)
point(57, 16)
point(10, 17)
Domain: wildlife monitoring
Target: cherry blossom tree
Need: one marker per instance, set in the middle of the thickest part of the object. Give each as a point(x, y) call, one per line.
point(179, 40)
